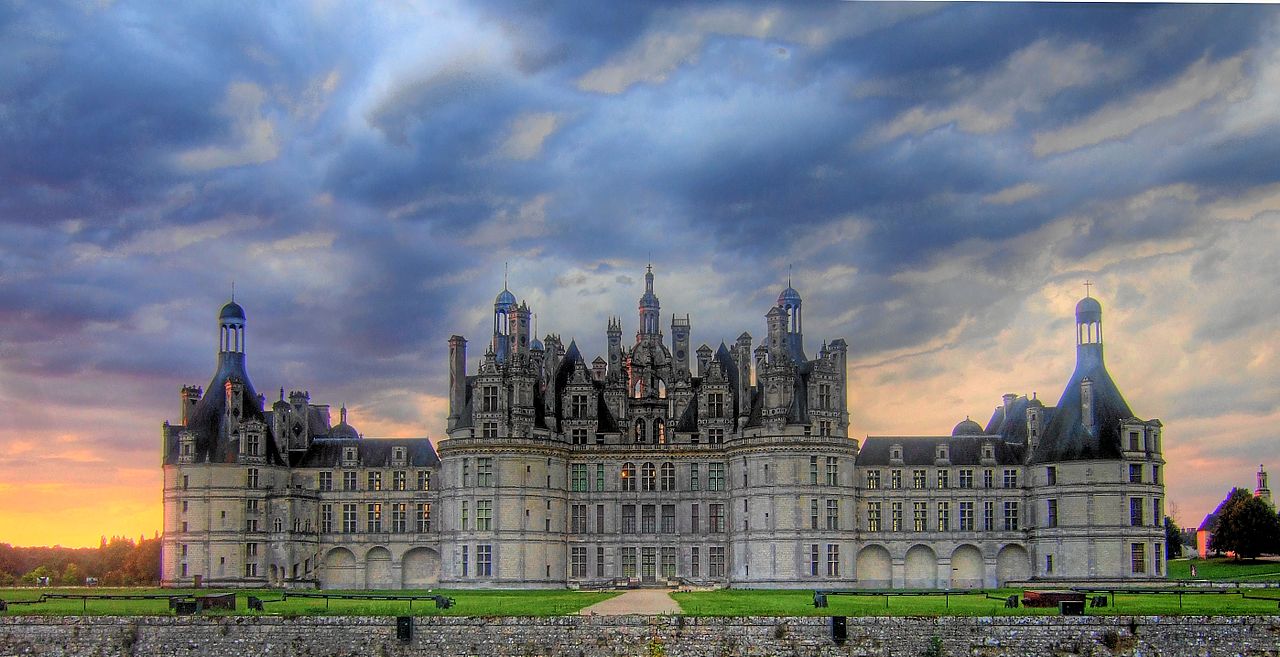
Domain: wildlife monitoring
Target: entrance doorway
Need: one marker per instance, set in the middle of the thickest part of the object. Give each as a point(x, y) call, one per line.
point(649, 565)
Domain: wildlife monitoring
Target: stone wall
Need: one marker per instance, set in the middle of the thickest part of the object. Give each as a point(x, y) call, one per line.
point(645, 636)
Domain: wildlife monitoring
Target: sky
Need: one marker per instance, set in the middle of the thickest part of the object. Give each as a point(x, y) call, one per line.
point(938, 180)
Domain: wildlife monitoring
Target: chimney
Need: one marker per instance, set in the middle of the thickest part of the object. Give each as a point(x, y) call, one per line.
point(1086, 403)
point(457, 377)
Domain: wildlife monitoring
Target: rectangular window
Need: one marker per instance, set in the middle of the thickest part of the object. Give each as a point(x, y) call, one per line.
point(579, 407)
point(349, 480)
point(667, 477)
point(599, 518)
point(813, 470)
point(398, 480)
point(833, 560)
point(484, 515)
point(873, 516)
point(944, 516)
point(348, 518)
point(824, 396)
point(988, 478)
point(424, 518)
point(599, 561)
point(813, 513)
point(920, 515)
point(424, 480)
point(579, 435)
point(1135, 473)
point(833, 514)
point(484, 473)
point(490, 399)
point(1011, 516)
point(873, 479)
point(715, 476)
point(1157, 556)
point(399, 517)
point(988, 516)
point(815, 560)
point(1135, 442)
point(251, 478)
point(715, 567)
point(375, 481)
point(1048, 564)
point(715, 405)
point(1010, 478)
point(251, 570)
point(944, 479)
point(628, 518)
point(715, 435)
point(695, 560)
point(465, 561)
point(251, 443)
point(324, 481)
point(489, 429)
point(1051, 514)
point(599, 477)
point(668, 519)
point(1051, 475)
point(1138, 558)
point(648, 522)
point(1155, 474)
point(693, 518)
point(326, 518)
point(966, 516)
point(895, 517)
point(833, 471)
point(694, 484)
point(1135, 511)
point(1157, 512)
point(667, 563)
point(895, 479)
point(251, 524)
point(374, 517)
point(578, 561)
point(578, 477)
point(717, 518)
point(578, 519)
point(918, 479)
point(462, 515)
point(628, 562)
point(966, 478)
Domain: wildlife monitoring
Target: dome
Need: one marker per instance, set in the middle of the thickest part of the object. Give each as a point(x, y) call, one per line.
point(967, 428)
point(789, 297)
point(1088, 310)
point(231, 311)
point(343, 431)
point(536, 345)
point(505, 299)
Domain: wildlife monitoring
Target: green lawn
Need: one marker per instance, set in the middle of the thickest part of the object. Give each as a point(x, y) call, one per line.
point(1222, 568)
point(467, 603)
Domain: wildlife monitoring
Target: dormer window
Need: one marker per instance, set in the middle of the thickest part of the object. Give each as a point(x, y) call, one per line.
point(942, 453)
point(397, 455)
point(349, 456)
point(895, 452)
point(988, 452)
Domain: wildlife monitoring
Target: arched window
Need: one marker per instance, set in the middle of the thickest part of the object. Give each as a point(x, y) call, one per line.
point(628, 476)
point(650, 476)
point(639, 435)
point(659, 432)
point(637, 388)
point(668, 476)
point(662, 388)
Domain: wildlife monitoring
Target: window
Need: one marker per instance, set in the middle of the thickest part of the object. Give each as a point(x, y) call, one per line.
point(398, 480)
point(715, 436)
point(668, 476)
point(484, 476)
point(490, 399)
point(1156, 555)
point(578, 477)
point(918, 479)
point(599, 561)
point(648, 523)
point(649, 476)
point(944, 479)
point(579, 435)
point(717, 518)
point(715, 476)
point(628, 518)
point(824, 427)
point(1135, 443)
point(896, 516)
point(920, 515)
point(251, 478)
point(715, 405)
point(399, 517)
point(694, 561)
point(579, 406)
point(326, 518)
point(1011, 516)
point(1155, 474)
point(251, 443)
point(349, 480)
point(489, 429)
point(873, 479)
point(966, 516)
point(484, 515)
point(944, 516)
point(1138, 558)
point(398, 456)
point(578, 561)
point(599, 477)
point(813, 513)
point(1135, 511)
point(813, 470)
point(833, 471)
point(1051, 475)
point(251, 570)
point(895, 479)
point(186, 481)
point(348, 518)
point(628, 476)
point(966, 478)
point(324, 481)
point(375, 481)
point(814, 559)
point(465, 560)
point(484, 561)
point(667, 564)
point(251, 506)
point(833, 514)
point(424, 480)
point(833, 560)
point(628, 562)
point(1135, 473)
point(599, 518)
point(424, 518)
point(668, 519)
point(1051, 514)
point(693, 518)
point(824, 396)
point(988, 516)
point(873, 516)
point(1010, 478)
point(988, 478)
point(374, 516)
point(694, 483)
point(1157, 511)
point(462, 515)
point(715, 565)
point(1048, 564)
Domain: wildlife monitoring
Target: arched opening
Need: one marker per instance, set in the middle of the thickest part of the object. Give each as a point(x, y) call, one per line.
point(637, 388)
point(921, 568)
point(874, 568)
point(628, 476)
point(420, 568)
point(339, 570)
point(377, 569)
point(650, 476)
point(966, 568)
point(639, 431)
point(1013, 564)
point(659, 432)
point(662, 388)
point(668, 476)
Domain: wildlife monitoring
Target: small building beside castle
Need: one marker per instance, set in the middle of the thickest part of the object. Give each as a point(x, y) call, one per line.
point(658, 462)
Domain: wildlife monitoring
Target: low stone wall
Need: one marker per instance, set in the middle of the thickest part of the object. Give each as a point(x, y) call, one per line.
point(644, 636)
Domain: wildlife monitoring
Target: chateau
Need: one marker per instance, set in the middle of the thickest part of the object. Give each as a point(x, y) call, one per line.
point(727, 466)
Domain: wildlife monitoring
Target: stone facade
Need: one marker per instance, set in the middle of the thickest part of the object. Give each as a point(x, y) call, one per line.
point(727, 466)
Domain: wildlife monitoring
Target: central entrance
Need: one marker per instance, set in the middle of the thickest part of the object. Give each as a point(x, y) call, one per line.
point(649, 565)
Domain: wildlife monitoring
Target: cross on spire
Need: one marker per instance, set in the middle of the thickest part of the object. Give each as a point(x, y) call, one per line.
point(1087, 284)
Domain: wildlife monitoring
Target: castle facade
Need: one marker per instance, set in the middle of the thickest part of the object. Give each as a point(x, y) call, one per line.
point(660, 463)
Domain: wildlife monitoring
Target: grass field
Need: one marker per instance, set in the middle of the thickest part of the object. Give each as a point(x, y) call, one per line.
point(1226, 569)
point(467, 603)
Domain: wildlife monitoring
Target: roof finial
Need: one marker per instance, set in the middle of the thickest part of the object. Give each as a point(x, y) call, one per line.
point(1087, 284)
point(789, 266)
point(233, 291)
point(649, 267)
point(535, 326)
point(505, 273)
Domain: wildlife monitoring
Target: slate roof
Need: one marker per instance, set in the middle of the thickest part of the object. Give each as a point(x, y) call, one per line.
point(212, 443)
point(373, 452)
point(1065, 436)
point(920, 450)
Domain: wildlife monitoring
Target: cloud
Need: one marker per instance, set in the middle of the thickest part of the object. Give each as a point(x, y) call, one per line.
point(527, 132)
point(1015, 194)
point(254, 138)
point(1202, 81)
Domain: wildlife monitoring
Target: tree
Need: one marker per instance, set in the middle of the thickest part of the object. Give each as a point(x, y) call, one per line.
point(72, 575)
point(1246, 526)
point(1172, 539)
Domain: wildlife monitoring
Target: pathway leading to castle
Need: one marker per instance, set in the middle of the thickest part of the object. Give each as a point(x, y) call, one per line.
point(639, 601)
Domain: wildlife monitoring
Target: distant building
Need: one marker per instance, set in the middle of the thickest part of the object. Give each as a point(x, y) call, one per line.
point(1204, 533)
point(727, 466)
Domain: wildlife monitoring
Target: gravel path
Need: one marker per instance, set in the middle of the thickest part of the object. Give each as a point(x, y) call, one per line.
point(639, 601)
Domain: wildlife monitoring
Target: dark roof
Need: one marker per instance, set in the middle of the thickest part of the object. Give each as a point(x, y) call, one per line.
point(1088, 310)
point(605, 422)
point(231, 311)
point(967, 427)
point(343, 431)
point(212, 443)
point(688, 422)
point(730, 369)
point(1014, 427)
point(1065, 437)
point(374, 452)
point(465, 418)
point(920, 450)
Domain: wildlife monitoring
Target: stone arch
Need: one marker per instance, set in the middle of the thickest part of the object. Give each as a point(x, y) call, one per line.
point(874, 567)
point(420, 568)
point(377, 569)
point(1013, 564)
point(921, 568)
point(340, 571)
point(966, 568)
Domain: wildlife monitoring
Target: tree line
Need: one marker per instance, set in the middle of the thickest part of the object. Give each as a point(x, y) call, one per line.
point(1246, 526)
point(118, 561)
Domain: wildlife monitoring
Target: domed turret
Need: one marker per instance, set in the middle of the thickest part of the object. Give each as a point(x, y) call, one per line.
point(789, 296)
point(505, 300)
point(344, 431)
point(967, 428)
point(231, 311)
point(649, 308)
point(1088, 310)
